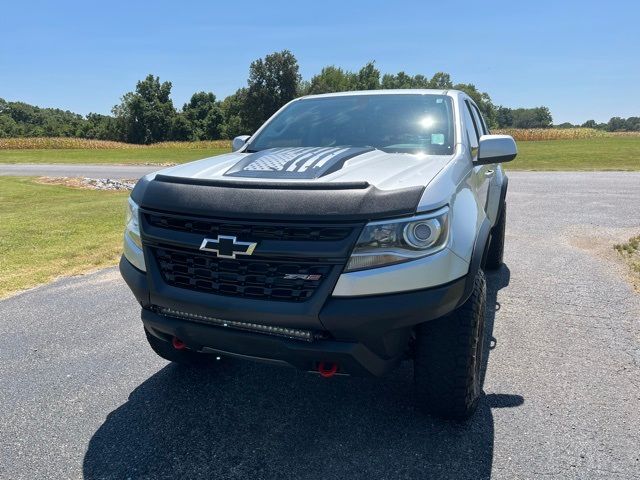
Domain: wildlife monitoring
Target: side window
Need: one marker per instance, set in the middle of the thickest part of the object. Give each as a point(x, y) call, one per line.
point(485, 129)
point(471, 126)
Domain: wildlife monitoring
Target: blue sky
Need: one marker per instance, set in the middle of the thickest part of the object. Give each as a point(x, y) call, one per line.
point(582, 59)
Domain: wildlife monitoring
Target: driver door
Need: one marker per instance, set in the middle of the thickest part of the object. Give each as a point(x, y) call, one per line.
point(482, 174)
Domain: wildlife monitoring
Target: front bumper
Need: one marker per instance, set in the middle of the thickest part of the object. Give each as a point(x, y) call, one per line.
point(365, 335)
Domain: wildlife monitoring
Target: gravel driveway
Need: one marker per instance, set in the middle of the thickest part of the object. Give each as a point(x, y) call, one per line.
point(81, 393)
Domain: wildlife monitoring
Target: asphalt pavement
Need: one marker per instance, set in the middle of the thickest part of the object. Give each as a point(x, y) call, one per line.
point(116, 172)
point(82, 395)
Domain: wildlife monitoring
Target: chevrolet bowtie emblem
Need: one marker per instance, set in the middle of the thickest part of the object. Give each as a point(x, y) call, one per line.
point(227, 247)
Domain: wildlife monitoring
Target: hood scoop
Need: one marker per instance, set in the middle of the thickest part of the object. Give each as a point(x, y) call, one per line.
point(303, 163)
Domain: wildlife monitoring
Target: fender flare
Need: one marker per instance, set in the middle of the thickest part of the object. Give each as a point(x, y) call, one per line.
point(481, 246)
point(477, 258)
point(503, 194)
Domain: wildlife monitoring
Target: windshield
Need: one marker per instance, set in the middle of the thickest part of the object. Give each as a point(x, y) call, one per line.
point(393, 123)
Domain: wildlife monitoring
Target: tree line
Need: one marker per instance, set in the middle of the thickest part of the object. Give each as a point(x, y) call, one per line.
point(615, 124)
point(148, 115)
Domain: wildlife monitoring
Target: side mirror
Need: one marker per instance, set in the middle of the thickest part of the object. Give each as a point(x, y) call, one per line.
point(239, 142)
point(496, 149)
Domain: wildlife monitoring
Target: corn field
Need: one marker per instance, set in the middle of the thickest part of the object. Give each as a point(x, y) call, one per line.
point(520, 134)
point(538, 134)
point(535, 134)
point(86, 144)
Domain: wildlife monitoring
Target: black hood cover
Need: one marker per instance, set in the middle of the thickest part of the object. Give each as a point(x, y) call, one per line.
point(289, 201)
point(304, 163)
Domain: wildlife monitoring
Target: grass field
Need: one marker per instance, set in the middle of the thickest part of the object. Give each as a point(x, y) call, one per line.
point(575, 150)
point(602, 153)
point(47, 231)
point(79, 150)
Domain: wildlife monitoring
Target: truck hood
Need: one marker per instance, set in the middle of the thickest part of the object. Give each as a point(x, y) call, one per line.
point(385, 171)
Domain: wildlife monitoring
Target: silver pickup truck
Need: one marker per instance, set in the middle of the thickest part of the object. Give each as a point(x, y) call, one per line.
point(349, 233)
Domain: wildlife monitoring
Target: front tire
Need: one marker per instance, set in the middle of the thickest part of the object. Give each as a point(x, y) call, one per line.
point(165, 349)
point(448, 358)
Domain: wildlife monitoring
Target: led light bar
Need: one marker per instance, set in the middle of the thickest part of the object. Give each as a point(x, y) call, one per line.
point(293, 333)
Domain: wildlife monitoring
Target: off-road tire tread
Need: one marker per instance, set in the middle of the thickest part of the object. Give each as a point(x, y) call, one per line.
point(445, 370)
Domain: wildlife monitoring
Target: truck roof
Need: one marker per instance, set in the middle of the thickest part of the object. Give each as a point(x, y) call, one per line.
point(403, 91)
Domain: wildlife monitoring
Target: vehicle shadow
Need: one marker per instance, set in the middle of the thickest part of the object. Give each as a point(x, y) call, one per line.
point(246, 420)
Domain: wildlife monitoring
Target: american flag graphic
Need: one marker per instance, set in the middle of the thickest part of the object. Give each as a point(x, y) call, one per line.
point(294, 162)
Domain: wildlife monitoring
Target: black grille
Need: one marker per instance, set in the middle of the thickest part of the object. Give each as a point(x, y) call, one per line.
point(251, 231)
point(248, 278)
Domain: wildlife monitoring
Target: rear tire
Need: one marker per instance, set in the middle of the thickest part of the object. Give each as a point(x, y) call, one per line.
point(448, 358)
point(495, 253)
point(166, 350)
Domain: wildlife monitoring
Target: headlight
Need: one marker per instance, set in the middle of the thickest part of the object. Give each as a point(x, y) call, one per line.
point(394, 241)
point(132, 223)
point(132, 243)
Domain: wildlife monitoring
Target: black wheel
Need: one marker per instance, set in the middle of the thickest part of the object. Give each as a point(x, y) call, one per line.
point(496, 246)
point(448, 358)
point(166, 350)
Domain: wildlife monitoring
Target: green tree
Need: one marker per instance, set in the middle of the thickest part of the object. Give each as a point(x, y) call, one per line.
point(181, 128)
point(101, 127)
point(205, 115)
point(403, 80)
point(441, 81)
point(539, 117)
point(146, 115)
point(331, 79)
point(633, 124)
point(590, 124)
point(29, 120)
point(616, 124)
point(272, 82)
point(232, 110)
point(367, 78)
point(9, 127)
point(504, 117)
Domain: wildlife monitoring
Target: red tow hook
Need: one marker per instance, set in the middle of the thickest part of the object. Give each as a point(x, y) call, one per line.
point(327, 370)
point(178, 344)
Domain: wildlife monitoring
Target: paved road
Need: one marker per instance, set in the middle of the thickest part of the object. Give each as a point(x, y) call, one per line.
point(115, 172)
point(81, 394)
